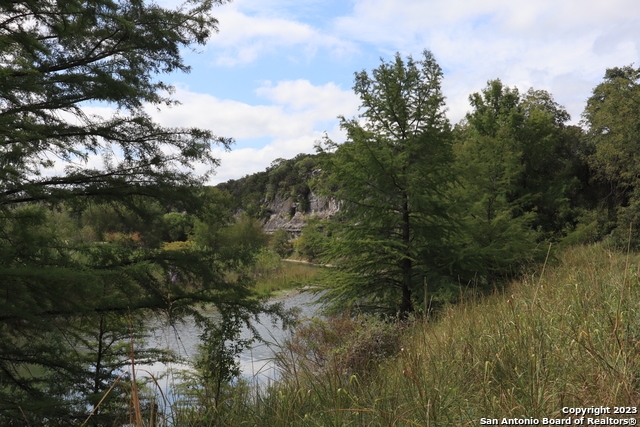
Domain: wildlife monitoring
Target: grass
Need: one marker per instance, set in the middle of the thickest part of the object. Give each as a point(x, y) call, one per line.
point(570, 338)
point(273, 274)
point(567, 338)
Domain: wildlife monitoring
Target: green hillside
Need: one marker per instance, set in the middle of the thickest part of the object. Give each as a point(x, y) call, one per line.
point(565, 336)
point(284, 178)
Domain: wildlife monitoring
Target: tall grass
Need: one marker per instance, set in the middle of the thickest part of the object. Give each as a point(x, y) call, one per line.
point(567, 338)
point(273, 274)
point(570, 338)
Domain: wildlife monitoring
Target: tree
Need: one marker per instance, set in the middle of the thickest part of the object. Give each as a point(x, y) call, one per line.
point(392, 175)
point(281, 242)
point(489, 158)
point(67, 304)
point(517, 170)
point(312, 241)
point(283, 179)
point(176, 226)
point(612, 119)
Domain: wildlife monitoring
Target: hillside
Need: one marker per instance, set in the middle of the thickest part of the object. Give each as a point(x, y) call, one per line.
point(563, 337)
point(282, 196)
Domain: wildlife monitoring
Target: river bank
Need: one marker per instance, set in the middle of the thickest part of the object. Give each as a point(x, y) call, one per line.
point(564, 336)
point(286, 283)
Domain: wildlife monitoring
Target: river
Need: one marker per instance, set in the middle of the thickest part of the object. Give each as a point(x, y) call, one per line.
point(256, 362)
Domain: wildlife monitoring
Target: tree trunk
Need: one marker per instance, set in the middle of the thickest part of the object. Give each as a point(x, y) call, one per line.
point(406, 305)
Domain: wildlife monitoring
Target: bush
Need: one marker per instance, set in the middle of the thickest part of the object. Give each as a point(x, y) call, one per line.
point(341, 344)
point(281, 243)
point(312, 242)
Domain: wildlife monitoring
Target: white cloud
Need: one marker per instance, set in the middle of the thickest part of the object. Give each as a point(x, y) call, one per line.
point(378, 20)
point(244, 38)
point(560, 46)
point(296, 115)
point(228, 118)
point(325, 101)
point(240, 162)
point(295, 108)
point(522, 42)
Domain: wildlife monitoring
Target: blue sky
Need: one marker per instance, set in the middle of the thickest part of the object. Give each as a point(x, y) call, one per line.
point(279, 72)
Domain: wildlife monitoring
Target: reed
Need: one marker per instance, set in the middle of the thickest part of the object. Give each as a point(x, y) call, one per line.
point(284, 275)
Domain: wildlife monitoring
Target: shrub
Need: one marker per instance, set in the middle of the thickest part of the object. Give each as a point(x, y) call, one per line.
point(341, 344)
point(281, 243)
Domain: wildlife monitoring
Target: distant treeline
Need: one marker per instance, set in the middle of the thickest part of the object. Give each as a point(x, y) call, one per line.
point(574, 182)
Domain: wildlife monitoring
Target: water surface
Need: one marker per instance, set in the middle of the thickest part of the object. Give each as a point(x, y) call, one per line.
point(256, 362)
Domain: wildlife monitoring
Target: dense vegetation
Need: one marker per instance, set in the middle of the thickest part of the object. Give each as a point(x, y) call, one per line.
point(286, 179)
point(432, 214)
point(566, 336)
point(87, 254)
point(392, 174)
point(430, 210)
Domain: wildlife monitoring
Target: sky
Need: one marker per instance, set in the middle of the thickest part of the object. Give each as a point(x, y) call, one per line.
point(279, 72)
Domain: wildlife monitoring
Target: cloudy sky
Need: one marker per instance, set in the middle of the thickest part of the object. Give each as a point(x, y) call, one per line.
point(279, 72)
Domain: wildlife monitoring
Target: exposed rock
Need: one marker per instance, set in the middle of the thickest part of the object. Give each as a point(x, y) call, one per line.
point(287, 215)
point(324, 207)
point(280, 221)
point(280, 205)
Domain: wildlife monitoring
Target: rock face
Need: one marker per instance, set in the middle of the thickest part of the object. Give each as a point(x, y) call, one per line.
point(288, 215)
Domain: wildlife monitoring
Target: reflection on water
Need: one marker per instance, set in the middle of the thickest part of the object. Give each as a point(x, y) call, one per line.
point(256, 363)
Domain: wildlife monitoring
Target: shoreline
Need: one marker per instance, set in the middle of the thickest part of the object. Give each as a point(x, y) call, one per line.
point(287, 293)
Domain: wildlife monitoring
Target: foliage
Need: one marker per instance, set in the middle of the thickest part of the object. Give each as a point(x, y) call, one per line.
point(267, 262)
point(612, 120)
point(282, 275)
point(313, 241)
point(565, 336)
point(207, 388)
point(281, 243)
point(392, 175)
point(237, 241)
point(516, 166)
point(177, 226)
point(292, 178)
point(342, 344)
point(81, 254)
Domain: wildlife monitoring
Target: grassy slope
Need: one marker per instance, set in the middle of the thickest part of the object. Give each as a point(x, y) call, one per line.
point(284, 276)
point(568, 338)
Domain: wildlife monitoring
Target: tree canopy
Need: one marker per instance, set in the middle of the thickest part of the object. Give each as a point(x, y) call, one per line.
point(104, 223)
point(67, 301)
point(612, 119)
point(516, 167)
point(391, 174)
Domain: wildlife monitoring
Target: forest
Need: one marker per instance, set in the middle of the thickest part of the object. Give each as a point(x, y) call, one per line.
point(432, 213)
point(467, 205)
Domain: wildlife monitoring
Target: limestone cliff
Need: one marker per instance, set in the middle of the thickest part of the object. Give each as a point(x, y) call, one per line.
point(282, 195)
point(288, 215)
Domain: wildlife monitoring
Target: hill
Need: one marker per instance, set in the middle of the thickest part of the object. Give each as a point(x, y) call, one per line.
point(282, 196)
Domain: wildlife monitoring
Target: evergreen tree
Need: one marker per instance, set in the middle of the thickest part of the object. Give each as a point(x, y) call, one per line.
point(497, 235)
point(312, 241)
point(516, 166)
point(67, 305)
point(612, 118)
point(392, 174)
